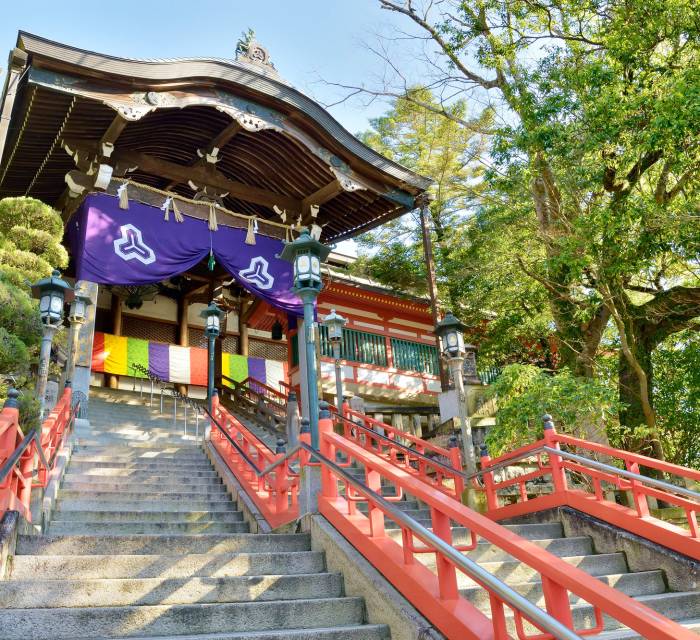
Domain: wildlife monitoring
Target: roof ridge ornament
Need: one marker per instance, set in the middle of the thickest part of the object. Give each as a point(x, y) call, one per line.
point(248, 49)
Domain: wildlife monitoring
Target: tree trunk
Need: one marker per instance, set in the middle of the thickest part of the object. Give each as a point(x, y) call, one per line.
point(634, 413)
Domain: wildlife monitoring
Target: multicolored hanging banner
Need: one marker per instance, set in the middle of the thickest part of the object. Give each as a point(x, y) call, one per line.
point(182, 365)
point(138, 246)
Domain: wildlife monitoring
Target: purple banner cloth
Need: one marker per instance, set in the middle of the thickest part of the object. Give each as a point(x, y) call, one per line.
point(137, 246)
point(256, 369)
point(159, 360)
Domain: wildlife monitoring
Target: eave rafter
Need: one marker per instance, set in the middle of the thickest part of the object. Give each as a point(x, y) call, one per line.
point(203, 176)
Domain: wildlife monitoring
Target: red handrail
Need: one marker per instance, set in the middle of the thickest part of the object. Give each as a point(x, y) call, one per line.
point(15, 490)
point(274, 493)
point(592, 500)
point(436, 594)
point(421, 445)
point(435, 471)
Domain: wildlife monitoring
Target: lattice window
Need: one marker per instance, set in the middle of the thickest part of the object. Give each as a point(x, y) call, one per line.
point(267, 350)
point(147, 329)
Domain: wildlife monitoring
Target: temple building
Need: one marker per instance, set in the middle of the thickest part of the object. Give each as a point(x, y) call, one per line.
point(180, 181)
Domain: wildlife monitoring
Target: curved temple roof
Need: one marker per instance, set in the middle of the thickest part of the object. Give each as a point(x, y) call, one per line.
point(187, 125)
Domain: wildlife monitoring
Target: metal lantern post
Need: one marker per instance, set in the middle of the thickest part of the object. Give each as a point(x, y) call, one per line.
point(52, 292)
point(449, 329)
point(212, 316)
point(335, 323)
point(307, 254)
point(77, 316)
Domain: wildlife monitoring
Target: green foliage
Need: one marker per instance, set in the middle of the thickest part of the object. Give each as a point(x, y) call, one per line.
point(30, 248)
point(447, 152)
point(677, 397)
point(524, 393)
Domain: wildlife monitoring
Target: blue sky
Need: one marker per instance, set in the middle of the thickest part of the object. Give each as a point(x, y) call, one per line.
point(307, 39)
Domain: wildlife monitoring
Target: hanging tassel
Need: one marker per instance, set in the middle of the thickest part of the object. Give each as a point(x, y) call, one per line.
point(213, 226)
point(176, 212)
point(252, 229)
point(211, 263)
point(166, 207)
point(123, 196)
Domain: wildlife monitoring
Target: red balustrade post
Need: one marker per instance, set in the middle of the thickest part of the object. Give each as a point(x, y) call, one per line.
point(491, 495)
point(9, 431)
point(376, 516)
point(345, 409)
point(456, 463)
point(556, 599)
point(26, 466)
point(446, 571)
point(281, 472)
point(329, 485)
point(640, 500)
point(550, 439)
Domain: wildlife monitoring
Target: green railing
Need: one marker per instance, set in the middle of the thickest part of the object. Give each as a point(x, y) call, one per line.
point(415, 356)
point(489, 375)
point(357, 346)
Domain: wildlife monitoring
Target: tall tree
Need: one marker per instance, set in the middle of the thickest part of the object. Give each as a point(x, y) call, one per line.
point(598, 102)
point(447, 152)
point(30, 248)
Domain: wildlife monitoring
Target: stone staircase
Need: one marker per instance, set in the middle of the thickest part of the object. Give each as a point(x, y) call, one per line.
point(146, 543)
point(647, 587)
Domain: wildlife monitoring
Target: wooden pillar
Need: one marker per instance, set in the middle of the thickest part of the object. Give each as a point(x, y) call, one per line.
point(116, 312)
point(423, 204)
point(243, 342)
point(183, 331)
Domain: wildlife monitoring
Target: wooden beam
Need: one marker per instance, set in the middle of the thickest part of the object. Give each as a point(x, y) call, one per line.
point(323, 195)
point(219, 142)
point(202, 176)
point(250, 310)
point(224, 137)
point(114, 130)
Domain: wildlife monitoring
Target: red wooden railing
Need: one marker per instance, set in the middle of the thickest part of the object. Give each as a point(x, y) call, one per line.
point(556, 454)
point(439, 467)
point(274, 490)
point(273, 486)
point(436, 593)
point(19, 451)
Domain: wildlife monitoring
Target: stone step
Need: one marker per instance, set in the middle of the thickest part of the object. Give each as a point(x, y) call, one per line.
point(347, 632)
point(676, 606)
point(487, 552)
point(130, 485)
point(86, 455)
point(126, 430)
point(138, 449)
point(106, 441)
point(193, 493)
point(58, 567)
point(146, 466)
point(147, 516)
point(628, 634)
point(163, 620)
point(161, 545)
point(515, 571)
point(632, 584)
point(70, 528)
point(117, 592)
point(86, 503)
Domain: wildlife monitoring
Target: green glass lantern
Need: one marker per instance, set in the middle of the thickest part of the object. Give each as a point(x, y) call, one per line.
point(306, 255)
point(52, 292)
